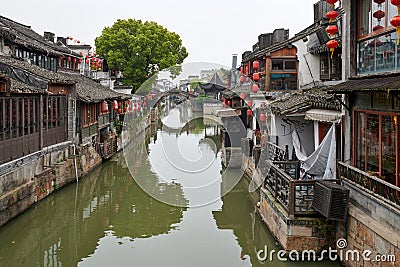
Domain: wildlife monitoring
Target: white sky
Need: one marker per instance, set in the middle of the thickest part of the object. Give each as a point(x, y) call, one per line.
point(211, 30)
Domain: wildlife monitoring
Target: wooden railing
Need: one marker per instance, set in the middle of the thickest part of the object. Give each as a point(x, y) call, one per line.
point(276, 153)
point(294, 195)
point(375, 185)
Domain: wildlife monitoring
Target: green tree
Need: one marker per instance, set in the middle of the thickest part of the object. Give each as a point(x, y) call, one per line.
point(139, 49)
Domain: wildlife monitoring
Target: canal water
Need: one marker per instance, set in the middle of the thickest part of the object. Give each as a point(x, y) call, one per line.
point(119, 214)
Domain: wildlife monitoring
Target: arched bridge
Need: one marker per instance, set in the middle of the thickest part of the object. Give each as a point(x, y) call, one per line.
point(173, 92)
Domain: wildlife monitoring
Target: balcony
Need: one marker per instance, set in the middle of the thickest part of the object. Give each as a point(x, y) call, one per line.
point(283, 183)
point(375, 186)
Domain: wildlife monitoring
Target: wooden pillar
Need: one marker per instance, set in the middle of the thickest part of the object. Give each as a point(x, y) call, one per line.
point(41, 116)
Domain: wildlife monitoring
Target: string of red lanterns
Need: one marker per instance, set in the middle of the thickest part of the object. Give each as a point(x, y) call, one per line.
point(332, 44)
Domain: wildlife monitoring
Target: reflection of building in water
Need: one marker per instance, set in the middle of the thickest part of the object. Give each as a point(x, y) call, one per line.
point(249, 230)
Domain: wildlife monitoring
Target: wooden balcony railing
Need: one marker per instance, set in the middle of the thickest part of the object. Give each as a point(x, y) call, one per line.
point(294, 195)
point(379, 187)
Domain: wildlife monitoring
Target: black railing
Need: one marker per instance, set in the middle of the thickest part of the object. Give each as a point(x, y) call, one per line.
point(376, 186)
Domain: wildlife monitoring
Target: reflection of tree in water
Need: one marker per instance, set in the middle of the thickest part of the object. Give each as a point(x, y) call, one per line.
point(137, 213)
point(67, 226)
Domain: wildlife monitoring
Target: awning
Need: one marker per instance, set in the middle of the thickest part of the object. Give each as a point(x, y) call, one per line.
point(372, 83)
point(323, 115)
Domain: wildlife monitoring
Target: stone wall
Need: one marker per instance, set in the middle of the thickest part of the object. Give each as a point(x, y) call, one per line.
point(372, 224)
point(300, 233)
point(30, 179)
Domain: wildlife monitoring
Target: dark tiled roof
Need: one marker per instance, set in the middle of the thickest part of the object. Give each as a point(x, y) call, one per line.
point(304, 100)
point(25, 36)
point(37, 71)
point(372, 83)
point(91, 91)
point(18, 87)
point(27, 78)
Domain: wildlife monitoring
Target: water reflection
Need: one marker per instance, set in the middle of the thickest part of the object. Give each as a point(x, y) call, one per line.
point(108, 220)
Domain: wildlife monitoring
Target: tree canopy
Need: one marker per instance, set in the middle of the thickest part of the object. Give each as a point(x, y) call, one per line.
point(139, 49)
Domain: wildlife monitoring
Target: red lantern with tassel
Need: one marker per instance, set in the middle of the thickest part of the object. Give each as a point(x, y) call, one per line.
point(229, 103)
point(115, 105)
point(395, 21)
point(332, 30)
point(104, 107)
point(332, 44)
point(379, 14)
point(332, 15)
point(256, 65)
point(249, 112)
point(256, 76)
point(331, 2)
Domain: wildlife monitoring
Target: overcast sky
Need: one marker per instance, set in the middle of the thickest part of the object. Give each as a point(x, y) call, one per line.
point(211, 30)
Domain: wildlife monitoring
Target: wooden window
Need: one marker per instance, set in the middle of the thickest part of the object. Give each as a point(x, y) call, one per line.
point(376, 147)
point(90, 114)
point(330, 68)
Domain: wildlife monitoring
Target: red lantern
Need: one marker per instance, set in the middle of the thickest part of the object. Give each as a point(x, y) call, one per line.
point(242, 79)
point(104, 107)
point(379, 2)
point(263, 117)
point(119, 111)
point(87, 56)
point(379, 14)
point(331, 2)
point(332, 44)
point(74, 60)
point(242, 96)
point(71, 38)
point(119, 104)
point(332, 15)
point(114, 105)
point(80, 60)
point(331, 30)
point(249, 112)
point(78, 42)
point(229, 103)
point(250, 103)
point(377, 28)
point(256, 65)
point(395, 21)
point(254, 88)
point(256, 76)
point(69, 58)
point(395, 2)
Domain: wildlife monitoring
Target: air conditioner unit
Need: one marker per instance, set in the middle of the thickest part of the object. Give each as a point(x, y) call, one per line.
point(331, 199)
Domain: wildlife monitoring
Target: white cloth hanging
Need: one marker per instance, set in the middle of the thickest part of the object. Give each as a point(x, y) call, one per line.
point(322, 162)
